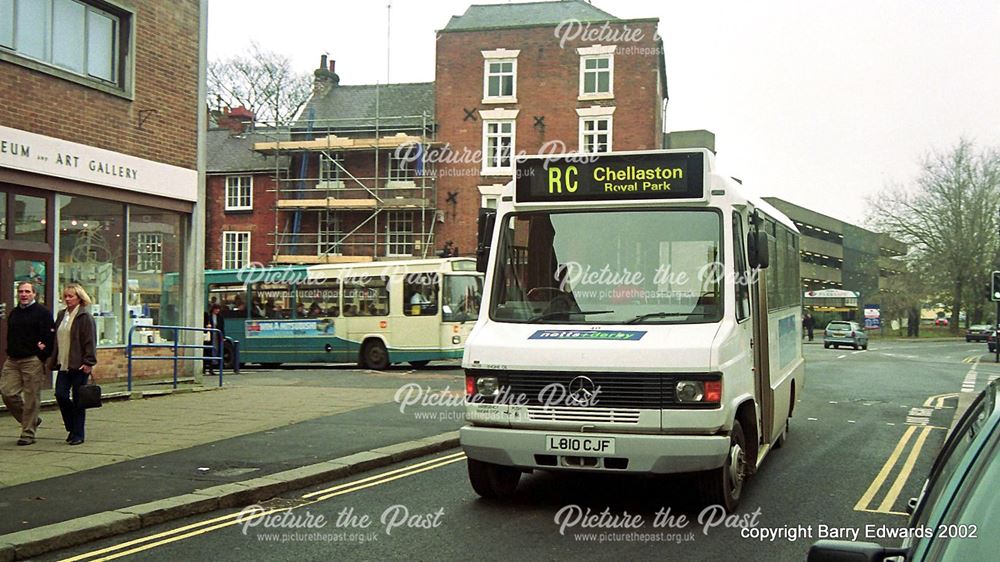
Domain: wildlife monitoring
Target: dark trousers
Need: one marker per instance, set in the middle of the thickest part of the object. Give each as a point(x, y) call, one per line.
point(73, 416)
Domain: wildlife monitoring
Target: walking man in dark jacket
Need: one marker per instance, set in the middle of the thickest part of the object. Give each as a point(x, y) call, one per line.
point(29, 342)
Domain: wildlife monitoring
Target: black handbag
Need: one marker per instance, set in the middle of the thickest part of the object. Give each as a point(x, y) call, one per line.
point(89, 395)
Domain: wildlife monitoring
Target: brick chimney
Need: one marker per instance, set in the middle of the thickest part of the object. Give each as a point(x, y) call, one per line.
point(324, 78)
point(236, 119)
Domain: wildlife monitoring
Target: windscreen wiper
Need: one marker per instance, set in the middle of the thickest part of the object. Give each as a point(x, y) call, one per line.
point(642, 317)
point(551, 314)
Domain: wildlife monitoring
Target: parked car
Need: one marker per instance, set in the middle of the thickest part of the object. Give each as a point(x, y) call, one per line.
point(957, 504)
point(940, 321)
point(840, 333)
point(978, 332)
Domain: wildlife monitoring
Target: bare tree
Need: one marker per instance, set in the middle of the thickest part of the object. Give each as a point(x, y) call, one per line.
point(950, 219)
point(261, 81)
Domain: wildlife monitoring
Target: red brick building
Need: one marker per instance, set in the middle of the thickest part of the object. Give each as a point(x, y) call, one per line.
point(340, 184)
point(549, 77)
point(400, 170)
point(99, 160)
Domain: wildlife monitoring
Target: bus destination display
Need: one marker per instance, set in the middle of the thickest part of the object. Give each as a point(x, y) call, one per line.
point(677, 175)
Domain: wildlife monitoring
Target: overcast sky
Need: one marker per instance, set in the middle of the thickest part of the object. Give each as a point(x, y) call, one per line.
point(818, 103)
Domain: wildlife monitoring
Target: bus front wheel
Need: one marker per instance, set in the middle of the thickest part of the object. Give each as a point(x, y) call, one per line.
point(493, 481)
point(374, 355)
point(724, 485)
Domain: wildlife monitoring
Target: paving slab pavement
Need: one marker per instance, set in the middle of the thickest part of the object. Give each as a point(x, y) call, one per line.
point(149, 460)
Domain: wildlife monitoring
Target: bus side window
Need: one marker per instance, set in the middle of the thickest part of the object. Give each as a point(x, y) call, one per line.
point(271, 300)
point(231, 297)
point(742, 279)
point(318, 299)
point(366, 296)
point(421, 294)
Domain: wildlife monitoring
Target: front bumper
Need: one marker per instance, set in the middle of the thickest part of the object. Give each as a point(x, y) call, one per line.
point(656, 454)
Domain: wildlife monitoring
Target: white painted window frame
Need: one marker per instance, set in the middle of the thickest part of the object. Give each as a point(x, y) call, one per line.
point(235, 193)
point(237, 237)
point(593, 53)
point(499, 56)
point(591, 114)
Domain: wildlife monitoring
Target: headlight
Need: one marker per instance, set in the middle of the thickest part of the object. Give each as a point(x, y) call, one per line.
point(704, 392)
point(487, 386)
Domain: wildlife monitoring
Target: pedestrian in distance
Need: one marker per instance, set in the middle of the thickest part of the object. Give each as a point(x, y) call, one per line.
point(29, 344)
point(809, 323)
point(213, 340)
point(74, 354)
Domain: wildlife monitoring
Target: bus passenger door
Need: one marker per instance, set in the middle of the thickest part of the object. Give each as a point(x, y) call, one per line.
point(761, 355)
point(420, 329)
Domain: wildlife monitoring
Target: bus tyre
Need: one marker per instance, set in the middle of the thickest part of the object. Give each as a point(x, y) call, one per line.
point(493, 481)
point(374, 355)
point(228, 355)
point(419, 364)
point(724, 485)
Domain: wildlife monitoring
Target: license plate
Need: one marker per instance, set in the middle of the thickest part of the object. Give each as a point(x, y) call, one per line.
point(577, 444)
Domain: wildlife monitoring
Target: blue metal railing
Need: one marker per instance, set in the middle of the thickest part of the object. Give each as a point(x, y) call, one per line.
point(216, 347)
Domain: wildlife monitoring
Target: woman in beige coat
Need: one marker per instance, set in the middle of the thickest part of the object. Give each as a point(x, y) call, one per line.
point(74, 355)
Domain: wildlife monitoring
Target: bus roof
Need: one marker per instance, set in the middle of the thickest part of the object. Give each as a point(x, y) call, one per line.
point(258, 271)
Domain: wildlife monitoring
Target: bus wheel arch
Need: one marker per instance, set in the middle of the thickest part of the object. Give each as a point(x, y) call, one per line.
point(373, 354)
point(723, 486)
point(746, 415)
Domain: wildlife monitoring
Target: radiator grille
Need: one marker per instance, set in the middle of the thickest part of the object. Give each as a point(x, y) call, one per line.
point(611, 391)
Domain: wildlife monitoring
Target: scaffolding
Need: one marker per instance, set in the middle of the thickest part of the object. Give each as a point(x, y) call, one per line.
point(352, 190)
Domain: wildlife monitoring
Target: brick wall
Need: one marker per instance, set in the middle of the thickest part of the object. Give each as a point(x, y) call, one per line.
point(166, 80)
point(548, 76)
point(259, 222)
point(112, 365)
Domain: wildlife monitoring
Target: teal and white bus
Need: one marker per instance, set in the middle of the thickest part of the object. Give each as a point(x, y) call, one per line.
point(374, 314)
point(641, 314)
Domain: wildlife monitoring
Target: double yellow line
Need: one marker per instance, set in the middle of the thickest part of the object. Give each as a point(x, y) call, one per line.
point(146, 543)
point(885, 506)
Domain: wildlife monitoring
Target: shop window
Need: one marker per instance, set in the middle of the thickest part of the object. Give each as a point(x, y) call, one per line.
point(366, 296)
point(3, 216)
point(29, 219)
point(154, 265)
point(92, 253)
